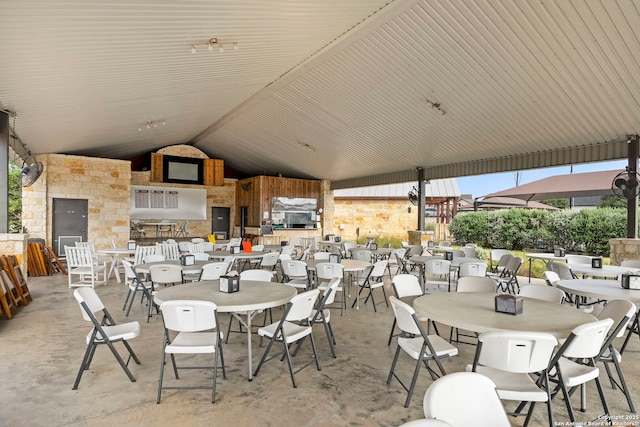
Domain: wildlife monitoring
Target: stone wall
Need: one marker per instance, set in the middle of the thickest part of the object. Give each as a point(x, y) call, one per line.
point(104, 183)
point(375, 218)
point(622, 249)
point(15, 244)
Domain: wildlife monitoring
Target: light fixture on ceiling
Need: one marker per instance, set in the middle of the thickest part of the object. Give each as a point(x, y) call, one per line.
point(306, 146)
point(437, 106)
point(211, 44)
point(151, 124)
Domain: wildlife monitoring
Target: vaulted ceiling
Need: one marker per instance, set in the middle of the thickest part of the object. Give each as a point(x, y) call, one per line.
point(358, 92)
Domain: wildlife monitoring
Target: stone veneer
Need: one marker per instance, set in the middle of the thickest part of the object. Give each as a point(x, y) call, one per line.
point(622, 249)
point(106, 184)
point(15, 244)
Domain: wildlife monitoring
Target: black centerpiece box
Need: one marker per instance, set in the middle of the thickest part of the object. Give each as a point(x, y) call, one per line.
point(235, 250)
point(596, 262)
point(187, 259)
point(510, 304)
point(448, 255)
point(630, 281)
point(559, 252)
point(229, 283)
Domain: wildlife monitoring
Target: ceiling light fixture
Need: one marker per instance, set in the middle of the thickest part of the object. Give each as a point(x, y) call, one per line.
point(149, 123)
point(211, 44)
point(306, 146)
point(437, 106)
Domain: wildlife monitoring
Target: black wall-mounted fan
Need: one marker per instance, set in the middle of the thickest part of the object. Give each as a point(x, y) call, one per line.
point(626, 184)
point(30, 172)
point(413, 196)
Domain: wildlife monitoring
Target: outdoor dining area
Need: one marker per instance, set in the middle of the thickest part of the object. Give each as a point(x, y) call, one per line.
point(362, 322)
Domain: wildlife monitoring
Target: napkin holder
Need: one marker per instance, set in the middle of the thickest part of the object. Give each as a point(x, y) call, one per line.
point(229, 283)
point(187, 259)
point(234, 250)
point(430, 243)
point(131, 245)
point(337, 239)
point(448, 255)
point(509, 304)
point(373, 246)
point(630, 281)
point(596, 262)
point(283, 243)
point(558, 252)
point(335, 258)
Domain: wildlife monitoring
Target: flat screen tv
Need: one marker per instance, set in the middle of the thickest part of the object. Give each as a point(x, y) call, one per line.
point(182, 170)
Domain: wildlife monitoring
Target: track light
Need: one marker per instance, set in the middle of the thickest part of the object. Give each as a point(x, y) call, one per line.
point(211, 43)
point(150, 123)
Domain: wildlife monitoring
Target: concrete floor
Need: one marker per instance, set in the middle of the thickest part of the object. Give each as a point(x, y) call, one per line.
point(43, 344)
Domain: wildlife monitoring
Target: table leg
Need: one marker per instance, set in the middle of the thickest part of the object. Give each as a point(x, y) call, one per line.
point(113, 269)
point(247, 325)
point(530, 259)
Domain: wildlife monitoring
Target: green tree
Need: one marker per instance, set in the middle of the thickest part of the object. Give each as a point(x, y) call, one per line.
point(557, 203)
point(15, 200)
point(612, 201)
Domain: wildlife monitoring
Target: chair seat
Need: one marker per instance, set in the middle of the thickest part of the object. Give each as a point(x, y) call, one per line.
point(193, 342)
point(326, 313)
point(413, 346)
point(325, 285)
point(512, 385)
point(575, 374)
point(298, 283)
point(292, 331)
point(122, 331)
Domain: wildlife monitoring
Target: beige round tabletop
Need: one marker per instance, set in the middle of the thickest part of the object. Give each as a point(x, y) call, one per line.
point(186, 269)
point(239, 255)
point(476, 312)
point(599, 289)
point(253, 295)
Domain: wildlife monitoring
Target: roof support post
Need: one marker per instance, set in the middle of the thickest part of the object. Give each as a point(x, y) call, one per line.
point(632, 204)
point(4, 171)
point(421, 197)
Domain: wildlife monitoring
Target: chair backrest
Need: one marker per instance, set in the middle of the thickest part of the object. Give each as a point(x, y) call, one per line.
point(361, 255)
point(195, 248)
point(586, 340)
point(401, 252)
point(405, 316)
point(321, 255)
point(169, 250)
point(459, 253)
point(213, 270)
point(503, 261)
point(91, 299)
point(465, 399)
point(197, 240)
point(329, 270)
point(201, 256)
point(258, 248)
point(551, 277)
point(153, 258)
point(183, 246)
point(469, 251)
point(542, 292)
point(514, 265)
point(578, 259)
point(294, 268)
point(437, 266)
point(142, 251)
point(256, 274)
point(515, 351)
point(189, 315)
point(129, 273)
point(229, 260)
point(633, 263)
point(379, 267)
point(415, 250)
point(402, 264)
point(496, 254)
point(406, 285)
point(270, 259)
point(165, 273)
point(301, 305)
point(444, 243)
point(329, 295)
point(472, 269)
point(207, 246)
point(78, 257)
point(287, 250)
point(476, 284)
point(621, 312)
point(562, 270)
point(347, 246)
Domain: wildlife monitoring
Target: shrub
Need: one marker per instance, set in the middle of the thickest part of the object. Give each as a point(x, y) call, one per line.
point(470, 227)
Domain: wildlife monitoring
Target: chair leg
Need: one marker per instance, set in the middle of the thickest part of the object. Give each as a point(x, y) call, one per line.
point(393, 327)
point(84, 365)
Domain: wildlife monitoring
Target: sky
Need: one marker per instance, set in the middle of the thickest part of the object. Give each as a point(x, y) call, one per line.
point(481, 185)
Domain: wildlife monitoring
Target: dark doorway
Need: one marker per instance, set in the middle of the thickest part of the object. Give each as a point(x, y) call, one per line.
point(244, 217)
point(70, 222)
point(220, 220)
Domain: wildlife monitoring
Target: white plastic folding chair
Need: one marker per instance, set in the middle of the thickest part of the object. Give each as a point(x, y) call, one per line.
point(295, 274)
point(373, 280)
point(495, 255)
point(437, 272)
point(197, 331)
point(510, 358)
point(621, 312)
point(325, 271)
point(574, 364)
point(472, 269)
point(551, 277)
point(135, 285)
point(105, 331)
point(469, 252)
point(257, 274)
point(289, 330)
point(362, 255)
point(405, 286)
point(542, 292)
point(465, 399)
point(416, 343)
point(471, 284)
point(213, 270)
